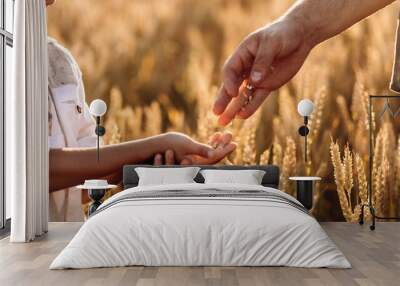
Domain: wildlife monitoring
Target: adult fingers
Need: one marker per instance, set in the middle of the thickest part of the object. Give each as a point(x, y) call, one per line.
point(169, 157)
point(258, 98)
point(237, 66)
point(157, 160)
point(233, 108)
point(234, 72)
point(266, 53)
point(222, 100)
point(284, 69)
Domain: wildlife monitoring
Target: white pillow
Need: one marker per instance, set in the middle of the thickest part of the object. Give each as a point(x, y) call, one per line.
point(248, 177)
point(166, 176)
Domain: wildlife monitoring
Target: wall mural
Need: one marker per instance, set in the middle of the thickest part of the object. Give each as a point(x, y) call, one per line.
point(157, 65)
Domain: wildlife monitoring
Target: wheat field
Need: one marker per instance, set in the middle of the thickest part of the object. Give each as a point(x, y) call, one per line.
point(157, 64)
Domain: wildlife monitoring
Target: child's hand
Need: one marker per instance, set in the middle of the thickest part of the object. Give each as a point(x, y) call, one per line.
point(186, 151)
point(222, 145)
point(167, 159)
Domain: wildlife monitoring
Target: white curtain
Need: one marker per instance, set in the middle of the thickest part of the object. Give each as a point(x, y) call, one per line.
point(27, 124)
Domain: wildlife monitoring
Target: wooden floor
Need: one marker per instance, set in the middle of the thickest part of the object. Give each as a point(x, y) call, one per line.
point(375, 257)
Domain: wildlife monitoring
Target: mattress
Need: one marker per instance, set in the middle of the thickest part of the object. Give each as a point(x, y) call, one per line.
point(201, 225)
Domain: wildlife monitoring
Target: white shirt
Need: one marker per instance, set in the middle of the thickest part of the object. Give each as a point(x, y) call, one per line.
point(70, 122)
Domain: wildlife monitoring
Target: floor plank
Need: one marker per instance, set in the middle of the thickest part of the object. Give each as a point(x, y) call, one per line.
point(375, 257)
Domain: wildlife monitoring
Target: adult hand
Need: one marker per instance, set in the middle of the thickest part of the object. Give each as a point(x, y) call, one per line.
point(187, 151)
point(263, 62)
point(167, 159)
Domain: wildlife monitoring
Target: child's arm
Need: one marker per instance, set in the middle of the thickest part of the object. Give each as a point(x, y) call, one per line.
point(71, 166)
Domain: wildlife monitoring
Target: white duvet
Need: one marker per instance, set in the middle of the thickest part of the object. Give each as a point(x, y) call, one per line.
point(200, 231)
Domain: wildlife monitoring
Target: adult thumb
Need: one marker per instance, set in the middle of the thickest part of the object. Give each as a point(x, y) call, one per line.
point(262, 62)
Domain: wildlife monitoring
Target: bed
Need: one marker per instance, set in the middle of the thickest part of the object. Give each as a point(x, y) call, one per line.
point(198, 224)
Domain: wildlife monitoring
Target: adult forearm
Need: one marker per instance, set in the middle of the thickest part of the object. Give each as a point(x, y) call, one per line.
point(71, 166)
point(323, 19)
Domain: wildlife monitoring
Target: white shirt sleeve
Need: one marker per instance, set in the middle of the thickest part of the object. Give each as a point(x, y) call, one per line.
point(65, 82)
point(87, 125)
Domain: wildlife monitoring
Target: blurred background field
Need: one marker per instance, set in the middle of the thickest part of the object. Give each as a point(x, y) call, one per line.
point(157, 64)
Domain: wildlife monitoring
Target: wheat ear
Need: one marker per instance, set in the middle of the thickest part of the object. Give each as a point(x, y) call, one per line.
point(348, 173)
point(362, 184)
point(340, 180)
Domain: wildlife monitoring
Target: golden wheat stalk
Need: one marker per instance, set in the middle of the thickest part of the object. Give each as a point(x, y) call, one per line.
point(361, 102)
point(344, 112)
point(379, 185)
point(377, 157)
point(317, 115)
point(380, 170)
point(245, 134)
point(134, 122)
point(153, 119)
point(348, 173)
point(362, 185)
point(288, 166)
point(249, 147)
point(361, 179)
point(265, 156)
point(277, 154)
point(340, 178)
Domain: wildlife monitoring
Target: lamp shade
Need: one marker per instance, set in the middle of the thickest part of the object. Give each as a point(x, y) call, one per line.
point(305, 107)
point(98, 107)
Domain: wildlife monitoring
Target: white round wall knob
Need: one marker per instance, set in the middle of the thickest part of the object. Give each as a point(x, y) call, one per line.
point(98, 107)
point(305, 107)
